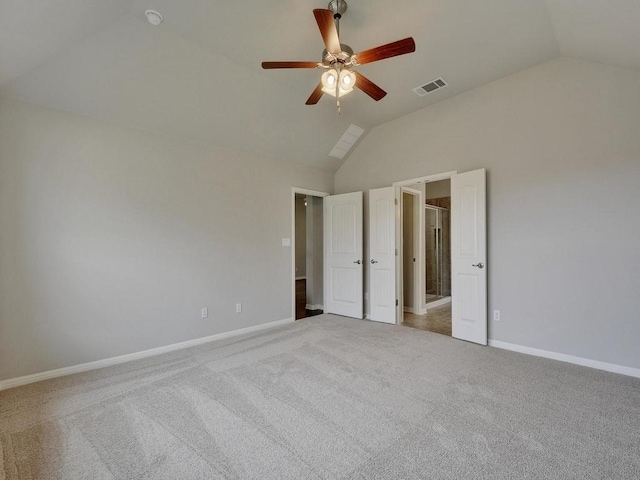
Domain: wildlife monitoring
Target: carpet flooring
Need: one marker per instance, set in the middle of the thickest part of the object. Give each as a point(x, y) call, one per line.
point(326, 398)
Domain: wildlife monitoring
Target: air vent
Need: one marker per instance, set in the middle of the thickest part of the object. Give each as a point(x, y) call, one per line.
point(430, 87)
point(348, 139)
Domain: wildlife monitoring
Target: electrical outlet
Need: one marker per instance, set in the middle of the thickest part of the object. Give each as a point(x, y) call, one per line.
point(496, 315)
point(238, 307)
point(204, 313)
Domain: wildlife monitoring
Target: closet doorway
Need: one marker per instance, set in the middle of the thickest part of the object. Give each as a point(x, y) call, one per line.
point(307, 253)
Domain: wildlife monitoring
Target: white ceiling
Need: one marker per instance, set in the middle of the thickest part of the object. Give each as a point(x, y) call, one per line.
point(198, 75)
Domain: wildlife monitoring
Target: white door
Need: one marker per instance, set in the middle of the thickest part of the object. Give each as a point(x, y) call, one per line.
point(382, 255)
point(469, 256)
point(343, 260)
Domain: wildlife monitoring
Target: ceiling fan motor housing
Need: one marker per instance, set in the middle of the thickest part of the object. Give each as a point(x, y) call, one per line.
point(343, 57)
point(338, 7)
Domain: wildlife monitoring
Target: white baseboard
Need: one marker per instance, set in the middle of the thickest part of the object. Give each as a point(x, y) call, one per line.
point(408, 309)
point(84, 367)
point(314, 307)
point(438, 303)
point(301, 278)
point(585, 362)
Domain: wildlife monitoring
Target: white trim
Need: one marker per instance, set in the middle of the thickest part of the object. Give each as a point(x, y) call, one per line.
point(418, 251)
point(301, 278)
point(422, 270)
point(438, 303)
point(585, 362)
point(409, 310)
point(427, 179)
point(306, 191)
point(107, 362)
point(399, 286)
point(303, 191)
point(314, 307)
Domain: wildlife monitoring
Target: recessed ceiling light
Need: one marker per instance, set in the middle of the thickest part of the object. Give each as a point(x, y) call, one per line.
point(154, 17)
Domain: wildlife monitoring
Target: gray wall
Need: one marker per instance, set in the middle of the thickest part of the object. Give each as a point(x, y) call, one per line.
point(439, 189)
point(112, 239)
point(561, 146)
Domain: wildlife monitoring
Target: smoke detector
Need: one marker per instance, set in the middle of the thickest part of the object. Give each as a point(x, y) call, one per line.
point(153, 17)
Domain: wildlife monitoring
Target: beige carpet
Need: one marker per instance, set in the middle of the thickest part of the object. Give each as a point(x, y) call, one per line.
point(326, 398)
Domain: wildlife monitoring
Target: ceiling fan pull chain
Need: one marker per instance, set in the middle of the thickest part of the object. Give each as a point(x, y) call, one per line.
point(338, 89)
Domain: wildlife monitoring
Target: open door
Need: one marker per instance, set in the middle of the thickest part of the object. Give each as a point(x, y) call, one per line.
point(382, 255)
point(343, 259)
point(469, 256)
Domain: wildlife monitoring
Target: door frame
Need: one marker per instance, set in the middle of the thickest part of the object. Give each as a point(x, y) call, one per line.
point(399, 287)
point(418, 248)
point(303, 191)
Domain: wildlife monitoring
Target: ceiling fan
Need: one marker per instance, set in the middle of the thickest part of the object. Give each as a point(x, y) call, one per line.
point(338, 59)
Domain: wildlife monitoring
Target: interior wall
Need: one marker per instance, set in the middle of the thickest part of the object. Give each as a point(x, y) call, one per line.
point(301, 236)
point(561, 146)
point(438, 189)
point(113, 239)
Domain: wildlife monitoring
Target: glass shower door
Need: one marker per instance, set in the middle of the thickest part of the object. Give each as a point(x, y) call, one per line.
point(438, 253)
point(431, 243)
point(444, 251)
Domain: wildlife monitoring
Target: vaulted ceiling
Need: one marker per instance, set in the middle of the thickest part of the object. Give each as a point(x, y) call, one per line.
point(198, 74)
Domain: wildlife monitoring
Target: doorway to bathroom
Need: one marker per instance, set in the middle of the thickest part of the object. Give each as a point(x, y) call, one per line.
point(432, 309)
point(438, 243)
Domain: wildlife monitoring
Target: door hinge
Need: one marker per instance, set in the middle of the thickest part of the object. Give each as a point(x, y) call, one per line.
point(395, 201)
point(396, 302)
point(396, 252)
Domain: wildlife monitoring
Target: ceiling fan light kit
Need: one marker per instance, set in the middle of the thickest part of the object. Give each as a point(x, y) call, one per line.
point(339, 61)
point(338, 83)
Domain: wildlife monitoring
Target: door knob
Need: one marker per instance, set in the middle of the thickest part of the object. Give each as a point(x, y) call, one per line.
point(479, 265)
point(358, 262)
point(373, 261)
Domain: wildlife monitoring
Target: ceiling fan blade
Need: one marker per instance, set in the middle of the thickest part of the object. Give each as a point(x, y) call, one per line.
point(368, 87)
point(328, 30)
point(315, 96)
point(401, 47)
point(268, 65)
